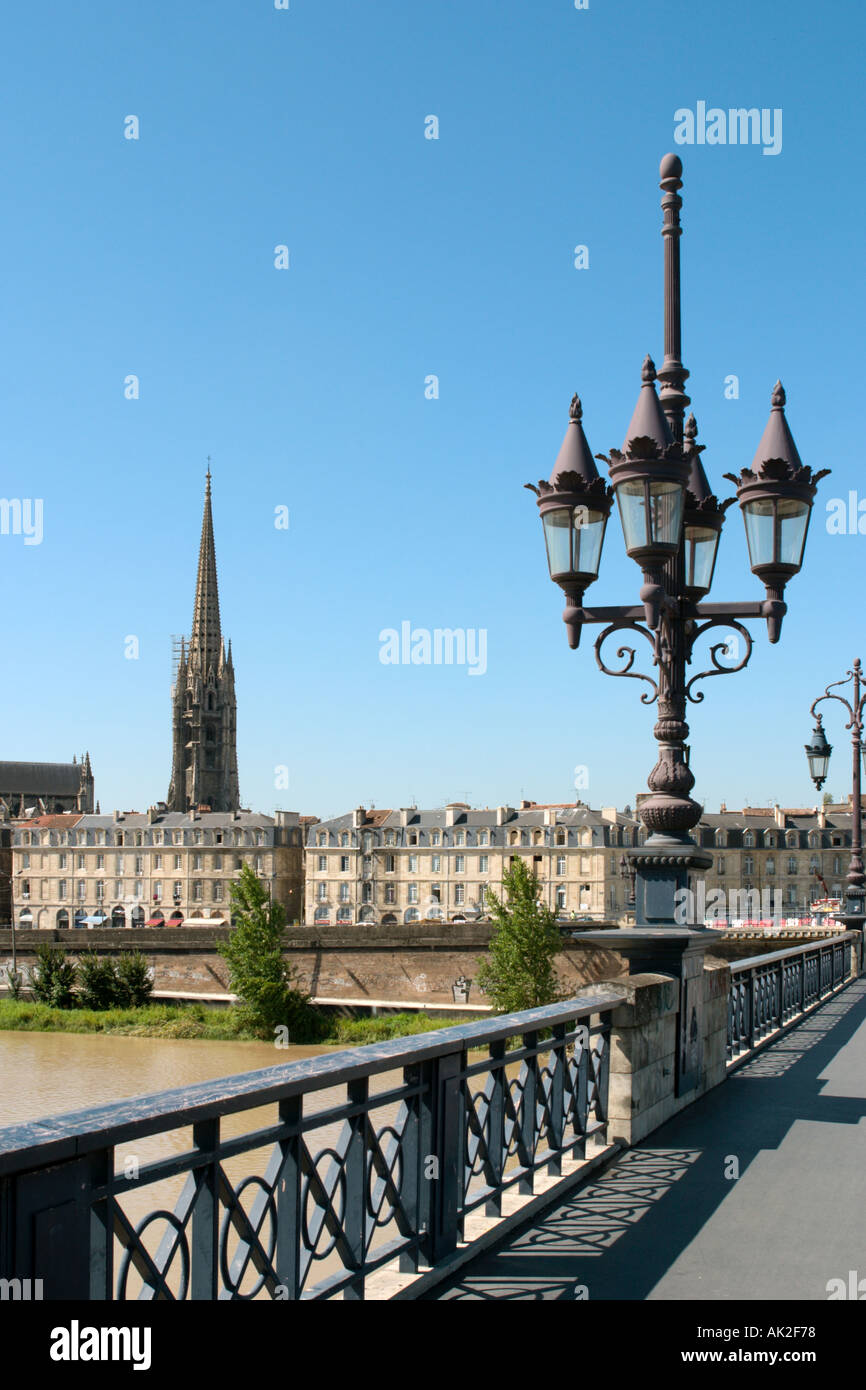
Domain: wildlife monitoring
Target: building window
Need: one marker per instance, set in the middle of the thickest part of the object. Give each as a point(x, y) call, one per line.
point(435, 863)
point(61, 888)
point(461, 837)
point(389, 837)
point(100, 890)
point(748, 865)
point(62, 861)
point(344, 863)
point(484, 863)
point(413, 863)
point(792, 864)
point(413, 893)
point(80, 863)
point(322, 863)
point(484, 838)
point(459, 894)
point(390, 893)
point(561, 899)
point(217, 892)
point(437, 838)
point(25, 889)
point(344, 840)
point(459, 863)
point(177, 863)
point(157, 891)
point(344, 892)
point(321, 891)
point(390, 862)
point(197, 893)
point(837, 864)
point(368, 843)
point(749, 839)
point(720, 866)
point(323, 840)
point(177, 890)
point(25, 861)
point(82, 890)
point(771, 864)
point(560, 864)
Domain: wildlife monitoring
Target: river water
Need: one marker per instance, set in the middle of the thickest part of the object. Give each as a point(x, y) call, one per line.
point(44, 1074)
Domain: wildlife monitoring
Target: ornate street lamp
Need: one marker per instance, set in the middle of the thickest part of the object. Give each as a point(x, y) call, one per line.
point(672, 523)
point(818, 757)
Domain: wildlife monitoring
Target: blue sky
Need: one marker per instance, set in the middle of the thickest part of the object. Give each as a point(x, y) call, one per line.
point(409, 257)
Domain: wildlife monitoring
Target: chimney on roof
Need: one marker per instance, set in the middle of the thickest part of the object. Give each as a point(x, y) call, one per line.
point(152, 814)
point(609, 813)
point(407, 813)
point(723, 809)
point(779, 816)
point(503, 813)
point(118, 815)
point(526, 805)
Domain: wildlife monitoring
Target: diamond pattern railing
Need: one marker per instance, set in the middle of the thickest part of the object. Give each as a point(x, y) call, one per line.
point(768, 992)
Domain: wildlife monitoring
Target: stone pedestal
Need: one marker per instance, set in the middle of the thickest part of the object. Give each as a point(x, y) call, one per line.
point(679, 953)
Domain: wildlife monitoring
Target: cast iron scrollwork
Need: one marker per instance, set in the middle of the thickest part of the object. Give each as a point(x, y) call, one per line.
point(717, 669)
point(628, 654)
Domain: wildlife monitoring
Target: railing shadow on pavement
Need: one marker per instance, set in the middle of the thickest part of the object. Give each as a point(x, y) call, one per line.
point(618, 1237)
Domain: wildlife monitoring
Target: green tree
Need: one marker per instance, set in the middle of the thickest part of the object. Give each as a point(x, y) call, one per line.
point(518, 973)
point(133, 980)
point(260, 975)
point(53, 977)
point(97, 979)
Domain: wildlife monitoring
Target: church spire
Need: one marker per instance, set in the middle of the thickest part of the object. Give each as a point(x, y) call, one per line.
point(204, 643)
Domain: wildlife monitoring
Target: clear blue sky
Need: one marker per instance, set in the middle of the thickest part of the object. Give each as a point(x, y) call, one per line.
point(408, 257)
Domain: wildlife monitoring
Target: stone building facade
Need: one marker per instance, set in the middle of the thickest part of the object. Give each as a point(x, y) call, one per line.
point(159, 868)
point(409, 865)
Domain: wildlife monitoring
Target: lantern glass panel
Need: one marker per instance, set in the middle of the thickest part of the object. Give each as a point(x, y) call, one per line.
point(588, 534)
point(760, 529)
point(557, 536)
point(651, 513)
point(666, 513)
point(701, 545)
point(793, 519)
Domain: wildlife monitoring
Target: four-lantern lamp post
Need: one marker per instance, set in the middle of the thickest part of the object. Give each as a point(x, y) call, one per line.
point(818, 756)
point(672, 523)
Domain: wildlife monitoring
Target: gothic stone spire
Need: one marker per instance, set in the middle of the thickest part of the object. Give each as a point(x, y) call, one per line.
point(204, 743)
point(204, 644)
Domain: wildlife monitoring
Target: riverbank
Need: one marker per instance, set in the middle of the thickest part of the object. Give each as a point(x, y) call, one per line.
point(197, 1021)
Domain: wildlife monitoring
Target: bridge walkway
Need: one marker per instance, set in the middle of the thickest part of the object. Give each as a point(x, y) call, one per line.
point(670, 1220)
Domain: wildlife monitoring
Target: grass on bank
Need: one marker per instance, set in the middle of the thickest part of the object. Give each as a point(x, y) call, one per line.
point(209, 1024)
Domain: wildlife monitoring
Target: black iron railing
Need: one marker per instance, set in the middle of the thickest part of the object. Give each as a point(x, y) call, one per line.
point(301, 1181)
point(770, 991)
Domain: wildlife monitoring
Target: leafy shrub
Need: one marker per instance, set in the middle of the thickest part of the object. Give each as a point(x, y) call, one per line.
point(53, 977)
point(133, 980)
point(97, 977)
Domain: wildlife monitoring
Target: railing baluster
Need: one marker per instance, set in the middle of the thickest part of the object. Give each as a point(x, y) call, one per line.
point(205, 1215)
point(557, 1091)
point(529, 1119)
point(496, 1127)
point(288, 1197)
point(355, 1168)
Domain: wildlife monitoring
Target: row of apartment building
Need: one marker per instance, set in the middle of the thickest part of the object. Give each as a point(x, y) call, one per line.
point(388, 866)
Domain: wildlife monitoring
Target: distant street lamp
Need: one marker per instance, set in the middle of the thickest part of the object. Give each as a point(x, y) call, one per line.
point(818, 757)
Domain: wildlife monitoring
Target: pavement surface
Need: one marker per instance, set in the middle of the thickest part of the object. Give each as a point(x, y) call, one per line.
point(754, 1192)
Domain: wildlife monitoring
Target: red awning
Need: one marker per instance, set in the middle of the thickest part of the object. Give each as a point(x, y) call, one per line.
point(155, 921)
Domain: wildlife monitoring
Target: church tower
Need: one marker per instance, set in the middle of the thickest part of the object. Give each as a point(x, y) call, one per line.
point(204, 768)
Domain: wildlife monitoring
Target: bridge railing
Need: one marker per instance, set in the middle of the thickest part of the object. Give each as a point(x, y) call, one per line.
point(770, 991)
point(303, 1180)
